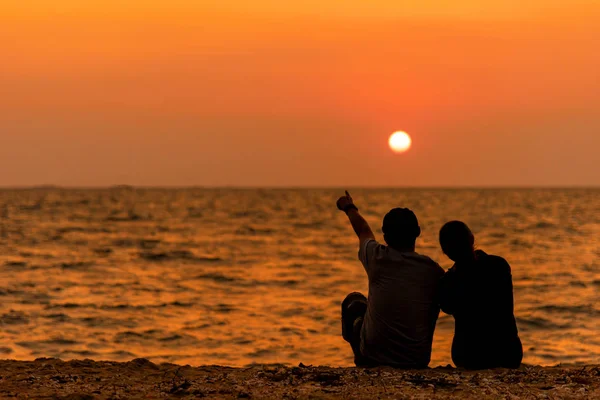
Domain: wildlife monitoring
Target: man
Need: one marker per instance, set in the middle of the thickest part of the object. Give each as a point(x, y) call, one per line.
point(478, 292)
point(395, 325)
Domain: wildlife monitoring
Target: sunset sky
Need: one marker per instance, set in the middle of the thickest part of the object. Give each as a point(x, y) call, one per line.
point(299, 93)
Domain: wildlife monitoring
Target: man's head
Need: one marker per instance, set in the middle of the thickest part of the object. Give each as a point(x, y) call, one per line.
point(457, 241)
point(401, 228)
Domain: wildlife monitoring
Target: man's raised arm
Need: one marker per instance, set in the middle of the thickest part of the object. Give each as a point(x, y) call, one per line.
point(359, 224)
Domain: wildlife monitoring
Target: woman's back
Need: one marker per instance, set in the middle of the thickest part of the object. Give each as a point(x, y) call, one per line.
point(479, 295)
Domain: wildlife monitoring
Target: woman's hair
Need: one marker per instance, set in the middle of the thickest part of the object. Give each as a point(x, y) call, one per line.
point(457, 240)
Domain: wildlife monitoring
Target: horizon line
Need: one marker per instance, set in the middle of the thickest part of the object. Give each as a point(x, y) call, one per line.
point(292, 187)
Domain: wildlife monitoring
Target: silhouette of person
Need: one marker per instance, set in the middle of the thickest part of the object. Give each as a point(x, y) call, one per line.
point(394, 326)
point(478, 292)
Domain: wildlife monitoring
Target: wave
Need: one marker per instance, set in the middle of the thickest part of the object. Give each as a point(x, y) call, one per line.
point(117, 306)
point(216, 277)
point(580, 309)
point(542, 225)
point(14, 318)
point(534, 323)
point(246, 283)
point(521, 243)
point(68, 354)
point(75, 265)
point(177, 255)
point(39, 344)
point(250, 231)
point(16, 264)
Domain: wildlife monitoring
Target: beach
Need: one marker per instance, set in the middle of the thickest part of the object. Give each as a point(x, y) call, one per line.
point(140, 378)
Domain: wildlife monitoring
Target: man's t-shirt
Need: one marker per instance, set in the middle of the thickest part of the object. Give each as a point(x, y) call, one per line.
point(402, 306)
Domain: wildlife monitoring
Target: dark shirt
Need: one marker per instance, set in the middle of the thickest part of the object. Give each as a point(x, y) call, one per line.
point(479, 294)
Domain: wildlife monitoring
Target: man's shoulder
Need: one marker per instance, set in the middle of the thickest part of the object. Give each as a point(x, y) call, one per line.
point(371, 246)
point(427, 261)
point(385, 254)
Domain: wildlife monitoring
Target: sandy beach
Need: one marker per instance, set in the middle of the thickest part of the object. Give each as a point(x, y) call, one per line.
point(140, 378)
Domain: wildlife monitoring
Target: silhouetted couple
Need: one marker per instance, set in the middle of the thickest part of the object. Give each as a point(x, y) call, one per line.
point(394, 326)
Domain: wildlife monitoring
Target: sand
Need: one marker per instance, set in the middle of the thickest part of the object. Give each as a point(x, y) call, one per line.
point(140, 378)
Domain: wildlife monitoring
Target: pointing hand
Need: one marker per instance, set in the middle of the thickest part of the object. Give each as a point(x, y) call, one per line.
point(345, 203)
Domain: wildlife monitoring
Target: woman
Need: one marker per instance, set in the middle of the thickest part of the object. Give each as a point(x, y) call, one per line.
point(478, 292)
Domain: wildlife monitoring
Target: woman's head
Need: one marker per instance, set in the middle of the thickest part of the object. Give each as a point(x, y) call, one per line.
point(457, 241)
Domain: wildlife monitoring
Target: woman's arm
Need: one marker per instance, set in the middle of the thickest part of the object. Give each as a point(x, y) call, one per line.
point(447, 296)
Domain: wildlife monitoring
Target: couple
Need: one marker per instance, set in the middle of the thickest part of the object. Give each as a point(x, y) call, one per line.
point(395, 325)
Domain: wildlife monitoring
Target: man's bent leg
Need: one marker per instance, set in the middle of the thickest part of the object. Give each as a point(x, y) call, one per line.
point(359, 359)
point(354, 308)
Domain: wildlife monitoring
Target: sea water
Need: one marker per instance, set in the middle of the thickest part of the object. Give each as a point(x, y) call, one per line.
point(241, 276)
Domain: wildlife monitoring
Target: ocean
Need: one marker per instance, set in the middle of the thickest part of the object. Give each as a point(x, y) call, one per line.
point(241, 276)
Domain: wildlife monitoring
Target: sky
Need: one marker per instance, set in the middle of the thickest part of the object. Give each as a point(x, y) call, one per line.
point(299, 93)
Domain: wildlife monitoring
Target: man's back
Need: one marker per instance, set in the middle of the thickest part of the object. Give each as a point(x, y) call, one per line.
point(402, 306)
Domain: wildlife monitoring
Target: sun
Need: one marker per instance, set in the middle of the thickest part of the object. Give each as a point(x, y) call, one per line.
point(400, 142)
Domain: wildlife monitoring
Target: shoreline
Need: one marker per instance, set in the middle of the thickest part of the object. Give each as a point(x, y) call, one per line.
point(140, 378)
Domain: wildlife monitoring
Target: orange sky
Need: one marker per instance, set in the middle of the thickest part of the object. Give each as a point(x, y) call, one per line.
point(240, 92)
